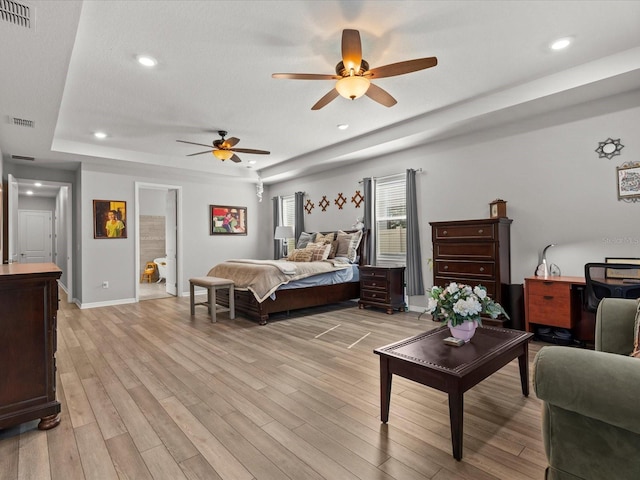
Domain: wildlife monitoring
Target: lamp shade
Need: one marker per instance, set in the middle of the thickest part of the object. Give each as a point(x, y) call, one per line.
point(353, 86)
point(223, 154)
point(283, 232)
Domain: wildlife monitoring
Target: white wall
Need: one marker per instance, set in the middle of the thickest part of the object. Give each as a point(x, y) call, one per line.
point(113, 260)
point(557, 189)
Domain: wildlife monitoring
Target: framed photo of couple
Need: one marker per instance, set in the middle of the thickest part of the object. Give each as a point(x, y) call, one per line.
point(227, 220)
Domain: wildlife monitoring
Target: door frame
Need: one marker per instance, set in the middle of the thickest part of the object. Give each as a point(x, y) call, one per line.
point(179, 268)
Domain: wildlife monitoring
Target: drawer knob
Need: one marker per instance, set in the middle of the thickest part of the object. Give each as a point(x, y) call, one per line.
point(373, 284)
point(446, 267)
point(373, 295)
point(444, 232)
point(481, 231)
point(482, 269)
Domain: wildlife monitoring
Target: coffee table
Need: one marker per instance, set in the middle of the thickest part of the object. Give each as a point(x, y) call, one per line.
point(426, 359)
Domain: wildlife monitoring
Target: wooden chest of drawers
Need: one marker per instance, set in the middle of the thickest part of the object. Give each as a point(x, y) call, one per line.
point(473, 252)
point(382, 287)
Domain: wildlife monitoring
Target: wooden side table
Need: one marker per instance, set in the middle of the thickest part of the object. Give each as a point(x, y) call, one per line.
point(212, 284)
point(382, 287)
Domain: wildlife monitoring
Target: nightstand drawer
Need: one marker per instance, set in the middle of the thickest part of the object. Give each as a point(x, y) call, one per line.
point(378, 296)
point(368, 273)
point(375, 284)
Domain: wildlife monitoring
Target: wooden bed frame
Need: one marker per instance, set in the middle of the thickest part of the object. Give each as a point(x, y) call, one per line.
point(293, 299)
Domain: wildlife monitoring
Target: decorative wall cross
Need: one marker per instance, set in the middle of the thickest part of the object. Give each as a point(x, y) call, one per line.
point(357, 199)
point(309, 206)
point(340, 201)
point(324, 203)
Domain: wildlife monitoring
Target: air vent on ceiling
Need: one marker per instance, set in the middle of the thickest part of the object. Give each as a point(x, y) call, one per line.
point(22, 122)
point(17, 13)
point(22, 157)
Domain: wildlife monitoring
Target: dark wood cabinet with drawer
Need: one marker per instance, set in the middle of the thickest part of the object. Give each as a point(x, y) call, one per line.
point(28, 313)
point(473, 252)
point(382, 287)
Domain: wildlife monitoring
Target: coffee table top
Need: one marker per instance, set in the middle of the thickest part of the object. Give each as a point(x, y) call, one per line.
point(428, 349)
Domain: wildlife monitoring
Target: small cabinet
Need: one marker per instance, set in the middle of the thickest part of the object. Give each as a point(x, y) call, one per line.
point(382, 287)
point(28, 314)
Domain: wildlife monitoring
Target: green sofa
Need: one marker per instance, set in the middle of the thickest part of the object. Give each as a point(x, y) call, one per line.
point(591, 409)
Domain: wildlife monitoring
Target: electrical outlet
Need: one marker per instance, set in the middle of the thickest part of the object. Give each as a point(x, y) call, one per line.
point(105, 284)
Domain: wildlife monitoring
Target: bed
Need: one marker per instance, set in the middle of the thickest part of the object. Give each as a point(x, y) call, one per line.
point(293, 295)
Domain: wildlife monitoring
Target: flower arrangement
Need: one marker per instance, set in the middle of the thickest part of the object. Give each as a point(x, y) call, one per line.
point(460, 303)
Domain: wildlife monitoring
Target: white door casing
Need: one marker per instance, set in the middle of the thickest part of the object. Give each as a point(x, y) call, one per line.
point(171, 242)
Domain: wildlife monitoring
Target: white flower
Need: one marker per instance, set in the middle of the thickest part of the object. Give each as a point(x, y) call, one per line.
point(431, 306)
point(467, 307)
point(452, 288)
point(480, 292)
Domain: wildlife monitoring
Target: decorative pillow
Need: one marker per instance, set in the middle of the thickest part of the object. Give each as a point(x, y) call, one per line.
point(300, 255)
point(334, 249)
point(328, 238)
point(304, 239)
point(348, 245)
point(636, 341)
point(320, 251)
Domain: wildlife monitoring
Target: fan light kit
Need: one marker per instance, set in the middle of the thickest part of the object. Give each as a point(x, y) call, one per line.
point(223, 149)
point(354, 76)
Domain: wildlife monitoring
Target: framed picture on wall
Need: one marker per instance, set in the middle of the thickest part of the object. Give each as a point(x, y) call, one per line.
point(628, 181)
point(227, 220)
point(109, 219)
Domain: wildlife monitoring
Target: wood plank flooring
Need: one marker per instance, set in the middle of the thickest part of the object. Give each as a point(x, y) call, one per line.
point(149, 392)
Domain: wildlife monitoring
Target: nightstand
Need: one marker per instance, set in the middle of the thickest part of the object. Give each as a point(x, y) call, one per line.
point(382, 287)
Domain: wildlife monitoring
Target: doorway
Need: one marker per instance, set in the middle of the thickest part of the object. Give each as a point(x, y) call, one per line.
point(158, 239)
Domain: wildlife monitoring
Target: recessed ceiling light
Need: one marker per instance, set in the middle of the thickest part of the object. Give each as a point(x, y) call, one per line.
point(38, 184)
point(100, 135)
point(29, 192)
point(561, 43)
point(343, 126)
point(252, 162)
point(146, 60)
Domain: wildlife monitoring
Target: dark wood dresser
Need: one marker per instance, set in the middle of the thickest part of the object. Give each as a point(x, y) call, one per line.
point(28, 310)
point(473, 252)
point(382, 287)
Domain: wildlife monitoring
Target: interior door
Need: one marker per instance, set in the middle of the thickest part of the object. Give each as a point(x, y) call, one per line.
point(171, 242)
point(12, 221)
point(35, 244)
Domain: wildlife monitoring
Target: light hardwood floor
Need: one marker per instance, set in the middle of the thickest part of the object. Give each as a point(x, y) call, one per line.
point(149, 392)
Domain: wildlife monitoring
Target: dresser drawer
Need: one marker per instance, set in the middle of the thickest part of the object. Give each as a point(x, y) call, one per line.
point(549, 310)
point(471, 269)
point(470, 251)
point(466, 232)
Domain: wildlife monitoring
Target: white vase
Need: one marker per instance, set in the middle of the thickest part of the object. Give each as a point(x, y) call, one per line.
point(464, 331)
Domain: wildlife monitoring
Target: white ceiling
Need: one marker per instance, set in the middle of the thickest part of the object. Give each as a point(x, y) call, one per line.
point(75, 73)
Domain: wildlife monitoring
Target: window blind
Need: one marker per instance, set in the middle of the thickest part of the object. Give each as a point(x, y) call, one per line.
point(391, 221)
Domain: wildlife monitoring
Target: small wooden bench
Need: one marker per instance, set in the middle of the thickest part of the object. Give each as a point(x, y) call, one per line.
point(212, 284)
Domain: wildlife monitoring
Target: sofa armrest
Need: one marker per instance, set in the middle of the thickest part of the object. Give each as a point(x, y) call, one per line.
point(599, 385)
point(615, 320)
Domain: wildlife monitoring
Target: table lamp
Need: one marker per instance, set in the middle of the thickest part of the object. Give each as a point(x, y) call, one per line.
point(283, 233)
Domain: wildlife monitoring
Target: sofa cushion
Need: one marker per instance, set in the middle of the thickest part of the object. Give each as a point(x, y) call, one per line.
point(636, 329)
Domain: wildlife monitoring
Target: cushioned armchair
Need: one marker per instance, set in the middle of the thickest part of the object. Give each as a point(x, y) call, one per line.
point(591, 410)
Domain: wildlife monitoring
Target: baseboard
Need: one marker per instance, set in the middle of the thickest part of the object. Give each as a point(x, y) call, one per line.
point(110, 303)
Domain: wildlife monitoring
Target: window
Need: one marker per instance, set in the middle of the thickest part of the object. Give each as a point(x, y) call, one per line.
point(289, 218)
point(391, 221)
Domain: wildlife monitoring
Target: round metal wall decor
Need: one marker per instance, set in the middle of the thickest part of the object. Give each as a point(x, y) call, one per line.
point(609, 148)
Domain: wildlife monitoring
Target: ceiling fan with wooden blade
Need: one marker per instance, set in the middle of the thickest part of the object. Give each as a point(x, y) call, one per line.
point(223, 149)
point(354, 76)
